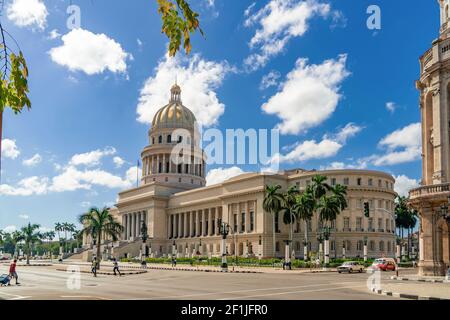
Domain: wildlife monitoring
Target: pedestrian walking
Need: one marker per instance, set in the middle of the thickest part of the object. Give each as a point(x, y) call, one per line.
point(13, 272)
point(116, 267)
point(174, 262)
point(94, 266)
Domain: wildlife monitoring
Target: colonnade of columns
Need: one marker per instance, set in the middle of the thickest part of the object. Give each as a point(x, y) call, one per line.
point(161, 163)
point(132, 223)
point(197, 223)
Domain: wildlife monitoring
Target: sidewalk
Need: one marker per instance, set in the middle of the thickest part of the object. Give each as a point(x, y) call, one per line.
point(416, 290)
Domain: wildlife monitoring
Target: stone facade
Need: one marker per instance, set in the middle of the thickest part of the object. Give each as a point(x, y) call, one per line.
point(434, 87)
point(182, 214)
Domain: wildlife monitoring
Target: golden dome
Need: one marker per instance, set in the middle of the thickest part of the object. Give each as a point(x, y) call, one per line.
point(174, 115)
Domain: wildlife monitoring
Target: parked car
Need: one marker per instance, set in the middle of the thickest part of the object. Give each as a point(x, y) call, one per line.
point(384, 264)
point(350, 266)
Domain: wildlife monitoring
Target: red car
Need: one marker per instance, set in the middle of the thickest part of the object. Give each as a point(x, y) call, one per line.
point(384, 264)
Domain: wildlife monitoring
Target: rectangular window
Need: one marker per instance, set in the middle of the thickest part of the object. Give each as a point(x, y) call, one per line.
point(380, 223)
point(359, 223)
point(359, 181)
point(346, 181)
point(388, 227)
point(371, 204)
point(277, 230)
point(370, 182)
point(360, 203)
point(235, 227)
point(333, 224)
point(346, 223)
point(333, 181)
point(252, 221)
point(379, 183)
point(370, 224)
point(243, 222)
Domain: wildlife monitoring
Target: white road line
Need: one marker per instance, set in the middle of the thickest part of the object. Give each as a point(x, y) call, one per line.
point(15, 296)
point(252, 290)
point(290, 292)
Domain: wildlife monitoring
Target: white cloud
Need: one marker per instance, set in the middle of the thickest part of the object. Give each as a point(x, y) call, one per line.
point(249, 9)
point(24, 216)
point(28, 13)
point(391, 106)
point(198, 79)
point(403, 145)
point(33, 161)
point(403, 184)
point(91, 53)
point(328, 147)
point(10, 229)
point(26, 187)
point(278, 22)
point(119, 162)
point(91, 158)
point(54, 34)
point(309, 96)
point(73, 179)
point(220, 175)
point(132, 174)
point(10, 149)
point(269, 80)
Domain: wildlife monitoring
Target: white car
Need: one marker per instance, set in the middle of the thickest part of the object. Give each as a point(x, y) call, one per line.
point(350, 266)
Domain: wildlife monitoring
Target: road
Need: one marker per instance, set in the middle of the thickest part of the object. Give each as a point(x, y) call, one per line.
point(45, 283)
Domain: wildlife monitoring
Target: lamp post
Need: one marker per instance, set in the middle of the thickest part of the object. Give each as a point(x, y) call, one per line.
point(246, 249)
point(365, 248)
point(260, 247)
point(173, 249)
point(326, 236)
point(343, 249)
point(305, 250)
point(287, 255)
point(224, 231)
point(320, 240)
point(397, 251)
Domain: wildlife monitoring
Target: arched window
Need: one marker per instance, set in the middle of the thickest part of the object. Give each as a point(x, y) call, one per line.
point(372, 245)
point(381, 246)
point(360, 245)
point(160, 139)
point(169, 138)
point(153, 140)
point(180, 139)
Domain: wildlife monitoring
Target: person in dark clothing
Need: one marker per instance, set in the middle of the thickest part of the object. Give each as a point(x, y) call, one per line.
point(94, 266)
point(116, 267)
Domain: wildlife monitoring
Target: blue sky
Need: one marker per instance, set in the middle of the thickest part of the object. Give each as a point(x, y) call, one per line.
point(93, 90)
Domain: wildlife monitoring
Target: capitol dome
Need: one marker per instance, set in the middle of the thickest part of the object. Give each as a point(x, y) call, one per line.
point(174, 115)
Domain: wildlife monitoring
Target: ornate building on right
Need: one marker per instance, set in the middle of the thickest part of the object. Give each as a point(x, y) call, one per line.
point(432, 198)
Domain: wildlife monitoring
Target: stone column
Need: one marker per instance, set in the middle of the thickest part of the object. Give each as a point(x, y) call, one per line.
point(431, 261)
point(204, 231)
point(247, 218)
point(172, 220)
point(197, 221)
point(209, 231)
point(185, 220)
point(239, 218)
point(180, 226)
point(129, 222)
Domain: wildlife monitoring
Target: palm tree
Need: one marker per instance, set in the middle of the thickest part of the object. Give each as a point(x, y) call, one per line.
point(98, 223)
point(304, 210)
point(59, 227)
point(30, 236)
point(49, 236)
point(272, 203)
point(67, 228)
point(78, 236)
point(16, 238)
point(289, 201)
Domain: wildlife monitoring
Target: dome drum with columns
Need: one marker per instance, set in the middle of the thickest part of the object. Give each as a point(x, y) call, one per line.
point(174, 125)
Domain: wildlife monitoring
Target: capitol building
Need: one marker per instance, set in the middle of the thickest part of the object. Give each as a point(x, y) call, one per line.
point(182, 213)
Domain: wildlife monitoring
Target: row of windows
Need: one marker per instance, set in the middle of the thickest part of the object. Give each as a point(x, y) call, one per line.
point(388, 246)
point(168, 139)
point(359, 182)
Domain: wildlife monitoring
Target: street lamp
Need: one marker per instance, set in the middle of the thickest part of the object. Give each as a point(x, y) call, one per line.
point(365, 248)
point(224, 231)
point(320, 240)
point(326, 235)
point(260, 247)
point(343, 249)
point(287, 255)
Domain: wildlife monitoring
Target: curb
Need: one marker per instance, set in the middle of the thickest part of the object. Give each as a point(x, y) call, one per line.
point(109, 273)
point(420, 280)
point(201, 270)
point(405, 295)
